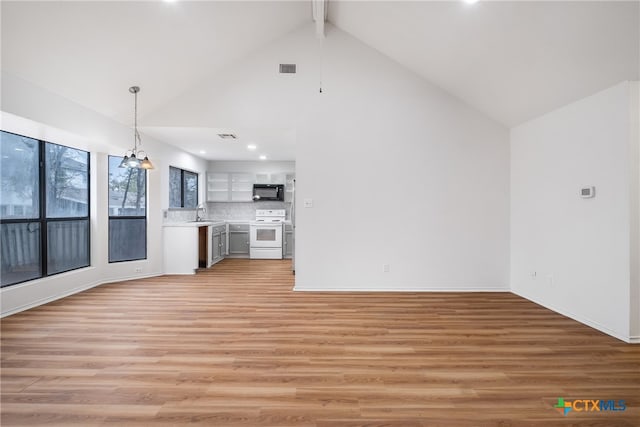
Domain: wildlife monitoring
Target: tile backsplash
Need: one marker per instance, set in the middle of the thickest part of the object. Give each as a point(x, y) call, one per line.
point(180, 215)
point(242, 210)
point(226, 210)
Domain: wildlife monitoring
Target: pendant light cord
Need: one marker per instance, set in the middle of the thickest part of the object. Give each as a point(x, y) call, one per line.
point(321, 51)
point(135, 122)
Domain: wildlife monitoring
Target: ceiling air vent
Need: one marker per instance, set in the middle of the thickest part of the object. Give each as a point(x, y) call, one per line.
point(227, 136)
point(287, 68)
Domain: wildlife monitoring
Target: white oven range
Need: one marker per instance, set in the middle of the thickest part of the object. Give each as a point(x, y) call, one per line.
point(266, 234)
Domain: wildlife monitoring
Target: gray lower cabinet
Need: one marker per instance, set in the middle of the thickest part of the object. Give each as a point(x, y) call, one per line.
point(219, 243)
point(223, 243)
point(239, 240)
point(216, 248)
point(287, 241)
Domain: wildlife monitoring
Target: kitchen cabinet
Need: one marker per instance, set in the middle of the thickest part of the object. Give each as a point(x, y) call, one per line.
point(223, 243)
point(287, 242)
point(270, 178)
point(239, 240)
point(215, 244)
point(209, 246)
point(230, 187)
point(242, 187)
point(288, 187)
point(217, 187)
point(238, 187)
point(188, 246)
point(218, 243)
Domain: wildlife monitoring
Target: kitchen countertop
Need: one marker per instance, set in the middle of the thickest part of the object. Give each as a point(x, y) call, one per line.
point(193, 224)
point(236, 221)
point(212, 222)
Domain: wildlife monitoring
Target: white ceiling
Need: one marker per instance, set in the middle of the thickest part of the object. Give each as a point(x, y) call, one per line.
point(91, 52)
point(514, 61)
point(511, 60)
point(275, 144)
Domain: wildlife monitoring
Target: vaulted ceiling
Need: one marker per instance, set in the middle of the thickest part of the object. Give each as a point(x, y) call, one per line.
point(511, 60)
point(91, 52)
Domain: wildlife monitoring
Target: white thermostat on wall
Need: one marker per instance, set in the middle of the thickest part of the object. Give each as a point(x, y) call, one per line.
point(587, 192)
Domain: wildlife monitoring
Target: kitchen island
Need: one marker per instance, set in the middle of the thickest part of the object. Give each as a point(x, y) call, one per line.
point(189, 245)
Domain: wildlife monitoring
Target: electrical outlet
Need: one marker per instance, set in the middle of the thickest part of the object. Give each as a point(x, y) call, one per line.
point(550, 279)
point(137, 270)
point(534, 275)
point(385, 268)
point(165, 214)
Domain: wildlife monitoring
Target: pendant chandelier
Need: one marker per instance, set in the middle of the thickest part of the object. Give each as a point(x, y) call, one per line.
point(136, 158)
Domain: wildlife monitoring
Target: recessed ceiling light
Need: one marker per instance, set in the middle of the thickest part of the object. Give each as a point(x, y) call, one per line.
point(252, 147)
point(203, 152)
point(471, 1)
point(263, 157)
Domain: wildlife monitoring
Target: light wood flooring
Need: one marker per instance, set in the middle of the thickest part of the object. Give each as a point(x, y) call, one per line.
point(234, 346)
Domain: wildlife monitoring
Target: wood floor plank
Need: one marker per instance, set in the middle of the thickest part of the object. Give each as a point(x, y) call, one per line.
point(235, 346)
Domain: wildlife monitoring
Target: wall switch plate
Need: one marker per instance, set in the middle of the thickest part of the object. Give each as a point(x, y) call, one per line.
point(385, 268)
point(534, 275)
point(308, 203)
point(550, 279)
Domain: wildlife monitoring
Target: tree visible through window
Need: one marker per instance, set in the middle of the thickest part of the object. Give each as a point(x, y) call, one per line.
point(66, 181)
point(44, 208)
point(127, 212)
point(183, 188)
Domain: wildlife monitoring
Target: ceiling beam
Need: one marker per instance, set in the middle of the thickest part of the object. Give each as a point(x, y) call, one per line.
point(319, 13)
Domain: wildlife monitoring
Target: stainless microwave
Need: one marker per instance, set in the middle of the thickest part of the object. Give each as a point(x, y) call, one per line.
point(273, 192)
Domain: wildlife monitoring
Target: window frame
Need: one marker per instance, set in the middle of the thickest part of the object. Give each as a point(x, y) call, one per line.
point(42, 218)
point(128, 217)
point(182, 183)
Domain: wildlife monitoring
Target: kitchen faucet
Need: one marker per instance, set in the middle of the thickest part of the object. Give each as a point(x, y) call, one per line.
point(204, 211)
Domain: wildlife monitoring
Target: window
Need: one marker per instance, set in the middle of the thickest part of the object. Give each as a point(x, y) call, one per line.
point(183, 188)
point(44, 209)
point(127, 212)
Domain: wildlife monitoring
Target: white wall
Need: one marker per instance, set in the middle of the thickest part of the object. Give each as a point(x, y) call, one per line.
point(32, 111)
point(252, 167)
point(634, 162)
point(400, 172)
point(579, 248)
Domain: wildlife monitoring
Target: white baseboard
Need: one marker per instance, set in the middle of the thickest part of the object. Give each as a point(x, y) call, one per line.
point(73, 292)
point(498, 288)
point(582, 319)
point(125, 278)
point(634, 339)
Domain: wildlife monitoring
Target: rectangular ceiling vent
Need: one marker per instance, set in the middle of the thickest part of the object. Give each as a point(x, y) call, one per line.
point(227, 136)
point(287, 68)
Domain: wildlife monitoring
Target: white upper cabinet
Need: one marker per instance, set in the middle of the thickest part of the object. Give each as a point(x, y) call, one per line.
point(242, 187)
point(270, 178)
point(288, 187)
point(238, 187)
point(217, 187)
